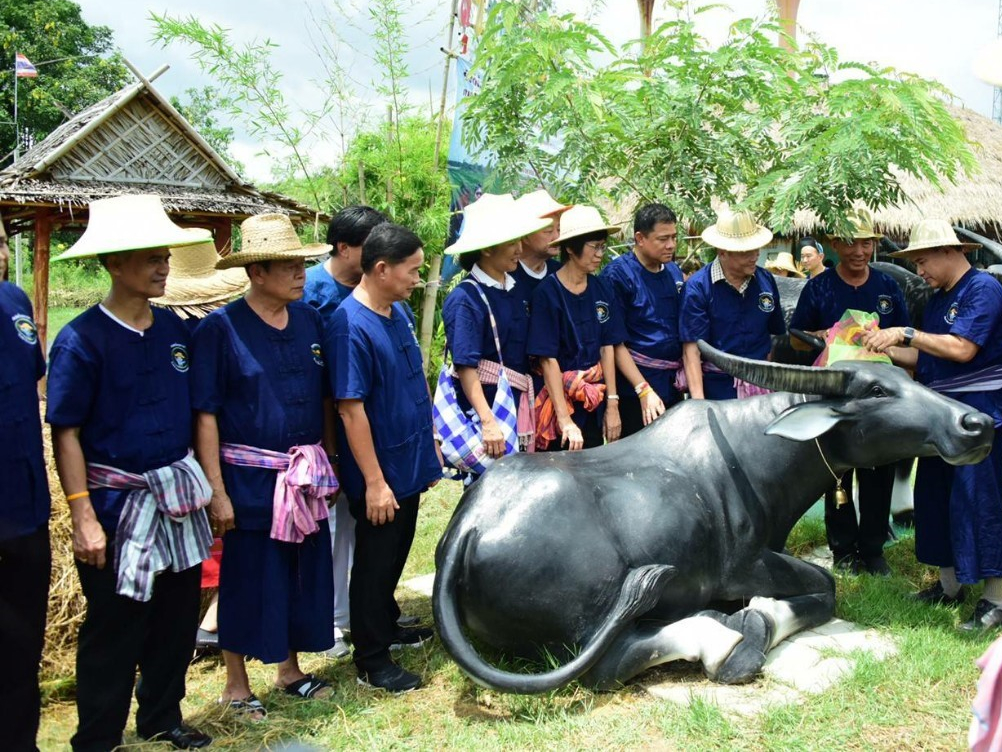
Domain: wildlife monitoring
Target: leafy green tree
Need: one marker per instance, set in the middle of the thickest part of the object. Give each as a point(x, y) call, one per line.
point(670, 118)
point(201, 109)
point(86, 68)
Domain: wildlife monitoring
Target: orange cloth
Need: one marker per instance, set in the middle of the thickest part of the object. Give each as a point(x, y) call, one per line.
point(579, 386)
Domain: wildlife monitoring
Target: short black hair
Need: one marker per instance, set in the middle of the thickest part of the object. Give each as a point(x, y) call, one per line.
point(390, 243)
point(467, 260)
point(352, 225)
point(575, 246)
point(649, 215)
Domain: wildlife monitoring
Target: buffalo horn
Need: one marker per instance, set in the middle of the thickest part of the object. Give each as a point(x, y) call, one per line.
point(778, 377)
point(989, 245)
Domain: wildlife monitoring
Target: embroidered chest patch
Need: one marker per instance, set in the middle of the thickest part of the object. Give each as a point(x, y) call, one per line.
point(179, 357)
point(885, 304)
point(25, 328)
point(766, 302)
point(318, 354)
point(602, 311)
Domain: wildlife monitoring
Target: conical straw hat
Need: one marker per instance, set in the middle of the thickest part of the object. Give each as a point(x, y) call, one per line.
point(541, 204)
point(195, 284)
point(492, 219)
point(270, 237)
point(130, 223)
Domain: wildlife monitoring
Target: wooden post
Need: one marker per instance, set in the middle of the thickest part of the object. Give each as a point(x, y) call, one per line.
point(788, 20)
point(222, 234)
point(40, 271)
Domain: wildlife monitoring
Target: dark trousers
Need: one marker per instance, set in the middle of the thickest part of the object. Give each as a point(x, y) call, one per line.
point(380, 554)
point(120, 634)
point(591, 432)
point(846, 536)
point(25, 564)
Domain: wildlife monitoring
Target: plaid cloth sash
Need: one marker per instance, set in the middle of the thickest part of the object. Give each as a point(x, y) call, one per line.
point(489, 372)
point(172, 531)
point(744, 388)
point(579, 386)
point(656, 363)
point(305, 480)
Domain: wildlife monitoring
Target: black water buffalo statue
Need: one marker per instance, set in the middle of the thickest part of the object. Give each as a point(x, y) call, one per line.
point(659, 547)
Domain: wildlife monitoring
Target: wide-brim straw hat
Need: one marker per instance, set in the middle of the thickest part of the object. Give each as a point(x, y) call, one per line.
point(933, 233)
point(784, 262)
point(862, 226)
point(491, 220)
point(195, 285)
point(270, 237)
point(130, 223)
point(736, 231)
point(988, 64)
point(541, 204)
point(582, 220)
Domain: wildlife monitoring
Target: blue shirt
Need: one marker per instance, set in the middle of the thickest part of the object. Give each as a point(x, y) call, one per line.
point(734, 322)
point(24, 503)
point(527, 283)
point(972, 310)
point(127, 393)
point(266, 387)
point(323, 292)
point(827, 296)
point(470, 337)
point(650, 303)
point(377, 360)
point(676, 274)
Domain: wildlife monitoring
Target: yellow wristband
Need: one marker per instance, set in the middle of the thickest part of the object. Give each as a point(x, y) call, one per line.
point(74, 497)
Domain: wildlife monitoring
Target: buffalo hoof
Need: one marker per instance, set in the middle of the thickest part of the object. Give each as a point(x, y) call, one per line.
point(746, 660)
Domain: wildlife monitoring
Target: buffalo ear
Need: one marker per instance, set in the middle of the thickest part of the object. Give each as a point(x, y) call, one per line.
point(806, 421)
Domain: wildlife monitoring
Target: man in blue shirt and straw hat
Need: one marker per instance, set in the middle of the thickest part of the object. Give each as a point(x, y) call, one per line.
point(120, 412)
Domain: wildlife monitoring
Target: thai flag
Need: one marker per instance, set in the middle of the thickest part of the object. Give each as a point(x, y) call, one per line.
point(23, 67)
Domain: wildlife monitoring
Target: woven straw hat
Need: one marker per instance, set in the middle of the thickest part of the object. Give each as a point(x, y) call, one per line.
point(492, 219)
point(784, 262)
point(194, 284)
point(862, 226)
point(988, 64)
point(270, 237)
point(130, 223)
point(736, 231)
point(541, 204)
point(933, 233)
point(582, 220)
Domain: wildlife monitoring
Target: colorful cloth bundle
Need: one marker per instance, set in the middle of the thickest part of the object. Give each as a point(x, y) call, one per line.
point(845, 339)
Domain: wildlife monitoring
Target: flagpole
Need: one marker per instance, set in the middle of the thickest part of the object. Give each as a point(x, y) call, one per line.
point(17, 146)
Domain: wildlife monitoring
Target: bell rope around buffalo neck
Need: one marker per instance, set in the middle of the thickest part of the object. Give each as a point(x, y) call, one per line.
point(841, 497)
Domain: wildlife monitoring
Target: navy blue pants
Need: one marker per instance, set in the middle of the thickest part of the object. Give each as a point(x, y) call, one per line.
point(846, 536)
point(276, 597)
point(25, 563)
point(120, 634)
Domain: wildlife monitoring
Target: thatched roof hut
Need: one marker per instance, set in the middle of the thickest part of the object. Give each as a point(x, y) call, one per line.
point(134, 141)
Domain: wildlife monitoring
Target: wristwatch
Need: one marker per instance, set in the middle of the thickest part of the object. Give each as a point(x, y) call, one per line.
point(909, 332)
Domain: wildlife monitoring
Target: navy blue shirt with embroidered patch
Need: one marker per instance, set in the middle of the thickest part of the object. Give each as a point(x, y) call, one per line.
point(528, 283)
point(826, 297)
point(24, 505)
point(266, 387)
point(737, 323)
point(377, 360)
point(323, 292)
point(126, 391)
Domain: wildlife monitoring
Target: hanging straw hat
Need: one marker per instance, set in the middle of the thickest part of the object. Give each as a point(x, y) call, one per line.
point(582, 220)
point(933, 233)
point(541, 204)
point(862, 226)
point(492, 219)
point(130, 223)
point(784, 262)
point(736, 231)
point(270, 237)
point(194, 286)
point(988, 64)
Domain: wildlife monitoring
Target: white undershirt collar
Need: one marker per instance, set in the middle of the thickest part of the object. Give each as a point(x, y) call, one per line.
point(488, 281)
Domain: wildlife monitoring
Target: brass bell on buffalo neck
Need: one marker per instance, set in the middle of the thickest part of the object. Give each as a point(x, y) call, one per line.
point(841, 497)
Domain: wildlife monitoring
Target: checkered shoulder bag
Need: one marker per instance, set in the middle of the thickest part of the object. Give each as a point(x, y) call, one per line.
point(460, 434)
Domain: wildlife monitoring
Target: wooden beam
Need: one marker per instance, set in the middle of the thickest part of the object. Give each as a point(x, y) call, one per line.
point(222, 233)
point(40, 271)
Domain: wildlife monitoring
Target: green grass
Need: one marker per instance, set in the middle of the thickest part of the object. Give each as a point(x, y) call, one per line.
point(917, 699)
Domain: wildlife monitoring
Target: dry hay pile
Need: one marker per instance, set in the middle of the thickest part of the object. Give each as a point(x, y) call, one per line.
point(66, 601)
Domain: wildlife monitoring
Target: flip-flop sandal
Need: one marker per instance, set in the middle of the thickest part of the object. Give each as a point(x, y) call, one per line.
point(249, 706)
point(306, 688)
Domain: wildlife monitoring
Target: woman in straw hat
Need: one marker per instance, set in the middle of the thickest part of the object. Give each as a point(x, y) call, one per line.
point(573, 328)
point(539, 254)
point(958, 351)
point(783, 265)
point(486, 316)
point(259, 383)
point(854, 284)
point(119, 405)
point(732, 304)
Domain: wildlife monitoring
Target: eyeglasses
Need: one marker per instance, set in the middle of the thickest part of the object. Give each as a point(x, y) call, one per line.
point(595, 247)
